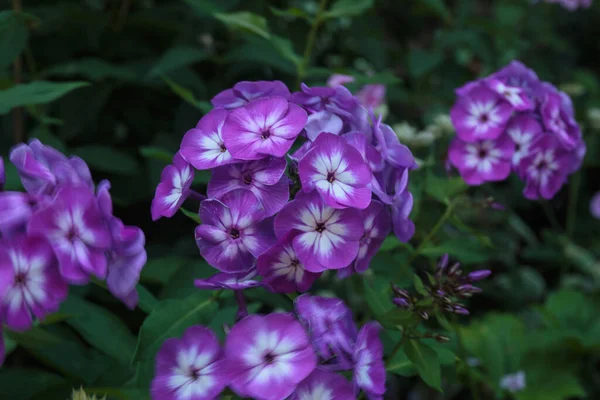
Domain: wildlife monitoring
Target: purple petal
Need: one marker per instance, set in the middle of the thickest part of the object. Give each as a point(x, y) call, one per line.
point(239, 281)
point(244, 92)
point(323, 121)
point(173, 189)
point(369, 372)
point(323, 384)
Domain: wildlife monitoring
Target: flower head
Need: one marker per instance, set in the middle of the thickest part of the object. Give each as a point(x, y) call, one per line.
point(264, 127)
point(268, 356)
point(233, 231)
point(173, 189)
point(369, 369)
point(244, 92)
point(545, 169)
point(324, 385)
point(189, 368)
point(30, 284)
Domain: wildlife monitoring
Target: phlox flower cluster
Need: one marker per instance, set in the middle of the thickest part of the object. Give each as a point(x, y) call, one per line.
point(300, 183)
point(60, 231)
point(511, 121)
point(276, 356)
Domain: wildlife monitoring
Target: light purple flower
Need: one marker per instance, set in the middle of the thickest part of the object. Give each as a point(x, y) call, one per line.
point(324, 385)
point(222, 280)
point(339, 79)
point(518, 75)
point(524, 129)
point(244, 92)
point(378, 224)
point(369, 369)
point(42, 168)
point(513, 382)
point(282, 270)
point(388, 144)
point(203, 146)
point(515, 95)
point(331, 328)
point(337, 171)
point(265, 178)
point(77, 232)
point(268, 356)
point(595, 205)
point(15, 211)
point(319, 98)
point(545, 169)
point(30, 284)
point(480, 114)
point(264, 127)
point(173, 189)
point(323, 121)
point(233, 231)
point(483, 161)
point(329, 237)
point(558, 119)
point(189, 368)
point(371, 96)
point(404, 227)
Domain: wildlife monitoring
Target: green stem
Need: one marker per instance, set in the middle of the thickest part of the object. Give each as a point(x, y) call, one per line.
point(396, 348)
point(572, 209)
point(310, 43)
point(549, 211)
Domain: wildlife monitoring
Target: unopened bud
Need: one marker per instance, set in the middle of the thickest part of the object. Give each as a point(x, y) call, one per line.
point(460, 310)
point(442, 339)
point(479, 275)
point(400, 292)
point(401, 302)
point(424, 315)
point(442, 263)
point(455, 269)
point(468, 289)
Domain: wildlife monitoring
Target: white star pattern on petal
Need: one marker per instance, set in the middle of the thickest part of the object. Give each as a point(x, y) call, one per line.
point(483, 116)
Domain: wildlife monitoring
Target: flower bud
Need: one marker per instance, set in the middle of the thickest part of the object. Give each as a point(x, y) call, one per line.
point(479, 275)
point(460, 310)
point(401, 302)
point(442, 339)
point(455, 269)
point(424, 315)
point(442, 263)
point(468, 289)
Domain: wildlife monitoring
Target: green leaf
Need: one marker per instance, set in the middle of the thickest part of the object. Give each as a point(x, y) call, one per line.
point(160, 270)
point(378, 299)
point(285, 47)
point(191, 215)
point(175, 58)
point(13, 37)
point(94, 69)
point(444, 188)
point(419, 287)
point(245, 21)
point(468, 250)
point(426, 362)
point(291, 13)
point(108, 159)
point(38, 92)
point(146, 300)
point(93, 323)
point(396, 317)
point(23, 384)
point(401, 365)
point(170, 319)
point(438, 7)
point(188, 96)
point(550, 381)
point(348, 8)
point(156, 153)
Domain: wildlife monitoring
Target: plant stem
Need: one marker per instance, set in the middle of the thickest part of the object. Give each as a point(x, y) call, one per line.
point(310, 43)
point(549, 211)
point(572, 209)
point(18, 133)
point(397, 348)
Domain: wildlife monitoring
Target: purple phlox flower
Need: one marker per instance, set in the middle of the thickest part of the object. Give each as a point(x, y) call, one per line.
point(369, 153)
point(480, 114)
point(478, 275)
point(76, 231)
point(30, 284)
point(523, 130)
point(369, 369)
point(323, 121)
point(513, 382)
point(265, 178)
point(15, 211)
point(337, 171)
point(264, 127)
point(515, 95)
point(328, 238)
point(404, 227)
point(392, 151)
point(282, 270)
point(203, 146)
point(300, 152)
point(173, 189)
point(559, 120)
point(190, 368)
point(377, 222)
point(42, 168)
point(545, 169)
point(2, 174)
point(482, 161)
point(234, 231)
point(324, 385)
point(268, 356)
point(331, 328)
point(319, 97)
point(516, 74)
point(222, 280)
point(339, 79)
point(244, 92)
point(371, 96)
point(595, 205)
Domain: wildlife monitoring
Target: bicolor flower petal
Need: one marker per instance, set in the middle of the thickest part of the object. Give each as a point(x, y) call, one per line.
point(323, 121)
point(557, 120)
point(173, 189)
point(324, 385)
point(523, 130)
point(377, 222)
point(545, 169)
point(244, 92)
point(369, 369)
point(513, 94)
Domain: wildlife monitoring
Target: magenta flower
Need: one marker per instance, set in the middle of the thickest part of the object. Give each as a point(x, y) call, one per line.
point(523, 130)
point(15, 210)
point(244, 92)
point(233, 231)
point(545, 169)
point(558, 119)
point(595, 205)
point(30, 284)
point(173, 189)
point(324, 385)
point(222, 280)
point(264, 127)
point(282, 270)
point(480, 114)
point(377, 222)
point(483, 161)
point(369, 369)
point(203, 146)
point(332, 331)
point(77, 232)
point(189, 368)
point(328, 237)
point(404, 227)
point(323, 121)
point(393, 152)
point(371, 96)
point(515, 74)
point(516, 96)
point(337, 171)
point(265, 178)
point(266, 357)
